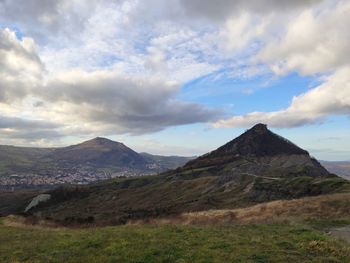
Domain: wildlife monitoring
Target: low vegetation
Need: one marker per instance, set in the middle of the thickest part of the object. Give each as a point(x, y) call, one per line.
point(117, 201)
point(171, 243)
point(324, 208)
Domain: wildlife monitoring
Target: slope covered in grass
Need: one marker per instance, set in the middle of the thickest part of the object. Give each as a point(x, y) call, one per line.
point(169, 243)
point(117, 201)
point(335, 207)
point(256, 167)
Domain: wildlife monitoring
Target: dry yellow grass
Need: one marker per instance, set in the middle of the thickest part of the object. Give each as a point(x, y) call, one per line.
point(335, 206)
point(30, 223)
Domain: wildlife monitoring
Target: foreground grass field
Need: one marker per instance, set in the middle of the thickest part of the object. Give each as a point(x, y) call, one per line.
point(172, 243)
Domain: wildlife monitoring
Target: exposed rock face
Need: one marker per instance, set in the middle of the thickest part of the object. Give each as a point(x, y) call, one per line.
point(37, 200)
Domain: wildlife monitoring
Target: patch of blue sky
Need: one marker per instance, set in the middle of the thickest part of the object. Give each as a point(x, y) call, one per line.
point(175, 140)
point(141, 40)
point(108, 60)
point(18, 32)
point(240, 95)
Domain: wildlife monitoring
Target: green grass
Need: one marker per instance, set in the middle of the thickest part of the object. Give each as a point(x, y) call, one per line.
point(130, 243)
point(326, 224)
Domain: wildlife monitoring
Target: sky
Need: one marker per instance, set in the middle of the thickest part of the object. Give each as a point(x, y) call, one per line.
point(175, 77)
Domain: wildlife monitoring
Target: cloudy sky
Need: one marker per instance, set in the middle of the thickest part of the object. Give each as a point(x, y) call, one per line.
point(177, 76)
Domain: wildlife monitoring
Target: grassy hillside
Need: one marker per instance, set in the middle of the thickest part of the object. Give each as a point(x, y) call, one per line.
point(117, 201)
point(93, 160)
point(335, 207)
point(172, 243)
point(19, 159)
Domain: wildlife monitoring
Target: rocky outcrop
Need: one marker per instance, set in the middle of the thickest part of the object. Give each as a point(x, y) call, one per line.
point(37, 200)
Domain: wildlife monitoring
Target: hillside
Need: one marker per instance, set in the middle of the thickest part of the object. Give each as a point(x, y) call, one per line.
point(302, 229)
point(241, 173)
point(20, 159)
point(333, 207)
point(170, 243)
point(98, 152)
point(93, 160)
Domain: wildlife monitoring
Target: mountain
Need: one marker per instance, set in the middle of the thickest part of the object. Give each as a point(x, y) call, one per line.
point(19, 159)
point(256, 167)
point(340, 168)
point(99, 152)
point(89, 161)
point(260, 151)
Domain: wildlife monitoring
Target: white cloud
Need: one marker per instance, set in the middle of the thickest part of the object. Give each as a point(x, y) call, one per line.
point(106, 101)
point(330, 98)
point(20, 67)
point(315, 41)
point(242, 31)
point(106, 66)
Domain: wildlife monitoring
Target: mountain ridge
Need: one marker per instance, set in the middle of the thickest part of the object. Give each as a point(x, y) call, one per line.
point(99, 152)
point(92, 160)
point(238, 182)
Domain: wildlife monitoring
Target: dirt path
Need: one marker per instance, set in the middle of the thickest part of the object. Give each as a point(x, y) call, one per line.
point(341, 232)
point(265, 177)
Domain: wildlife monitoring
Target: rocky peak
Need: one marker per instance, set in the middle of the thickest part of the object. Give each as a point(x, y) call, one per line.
point(259, 128)
point(258, 141)
point(101, 143)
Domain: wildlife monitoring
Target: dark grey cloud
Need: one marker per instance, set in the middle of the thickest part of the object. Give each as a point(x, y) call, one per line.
point(31, 14)
point(221, 9)
point(28, 130)
point(173, 113)
point(19, 123)
point(43, 19)
point(31, 136)
point(188, 11)
point(128, 104)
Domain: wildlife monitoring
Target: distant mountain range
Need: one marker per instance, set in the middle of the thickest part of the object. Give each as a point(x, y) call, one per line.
point(92, 160)
point(338, 168)
point(101, 158)
point(256, 167)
